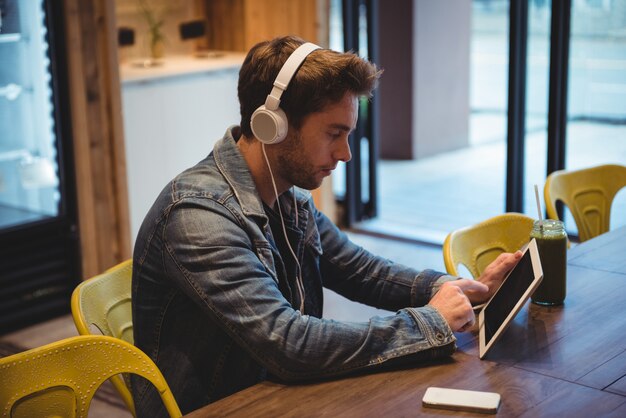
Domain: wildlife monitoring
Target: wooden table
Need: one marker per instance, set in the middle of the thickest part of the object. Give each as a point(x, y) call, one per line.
point(567, 361)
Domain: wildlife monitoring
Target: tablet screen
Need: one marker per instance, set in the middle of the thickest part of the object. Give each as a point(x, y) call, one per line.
point(505, 299)
point(510, 297)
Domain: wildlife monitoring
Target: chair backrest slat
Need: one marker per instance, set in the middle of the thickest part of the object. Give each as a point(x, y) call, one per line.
point(478, 245)
point(588, 193)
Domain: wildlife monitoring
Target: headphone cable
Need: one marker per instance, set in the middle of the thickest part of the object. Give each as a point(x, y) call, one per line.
point(299, 282)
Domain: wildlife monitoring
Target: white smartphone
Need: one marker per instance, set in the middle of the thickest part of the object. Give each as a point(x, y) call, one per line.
point(461, 400)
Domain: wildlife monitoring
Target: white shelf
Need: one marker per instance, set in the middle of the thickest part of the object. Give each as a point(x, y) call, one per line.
point(14, 154)
point(6, 38)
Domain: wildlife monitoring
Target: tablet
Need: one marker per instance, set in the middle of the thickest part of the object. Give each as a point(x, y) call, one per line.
point(512, 294)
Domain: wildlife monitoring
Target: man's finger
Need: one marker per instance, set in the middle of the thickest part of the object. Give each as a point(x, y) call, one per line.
point(507, 261)
point(469, 324)
point(471, 285)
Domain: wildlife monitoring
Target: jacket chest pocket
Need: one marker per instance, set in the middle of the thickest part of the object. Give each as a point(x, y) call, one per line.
point(313, 243)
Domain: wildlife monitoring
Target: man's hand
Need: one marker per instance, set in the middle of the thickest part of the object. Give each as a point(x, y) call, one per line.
point(492, 277)
point(454, 306)
point(455, 298)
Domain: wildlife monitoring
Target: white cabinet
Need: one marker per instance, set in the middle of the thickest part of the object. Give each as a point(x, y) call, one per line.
point(173, 115)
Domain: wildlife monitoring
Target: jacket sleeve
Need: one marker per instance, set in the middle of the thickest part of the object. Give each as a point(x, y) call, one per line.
point(219, 267)
point(355, 273)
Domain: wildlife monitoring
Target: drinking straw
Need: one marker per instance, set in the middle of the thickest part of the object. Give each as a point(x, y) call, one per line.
point(538, 207)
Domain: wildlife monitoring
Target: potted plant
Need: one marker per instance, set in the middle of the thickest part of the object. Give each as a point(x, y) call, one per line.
point(154, 19)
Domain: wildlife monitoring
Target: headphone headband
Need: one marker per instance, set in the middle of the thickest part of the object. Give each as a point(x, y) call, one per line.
point(269, 123)
point(286, 73)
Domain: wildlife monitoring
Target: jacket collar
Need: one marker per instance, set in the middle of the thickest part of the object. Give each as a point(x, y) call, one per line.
point(235, 170)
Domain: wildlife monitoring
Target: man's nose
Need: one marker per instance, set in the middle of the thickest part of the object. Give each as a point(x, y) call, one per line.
point(342, 152)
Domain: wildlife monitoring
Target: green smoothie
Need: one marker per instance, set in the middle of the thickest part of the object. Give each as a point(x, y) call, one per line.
point(552, 244)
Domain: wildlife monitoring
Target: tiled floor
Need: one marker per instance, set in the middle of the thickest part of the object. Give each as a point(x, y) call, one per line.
point(107, 405)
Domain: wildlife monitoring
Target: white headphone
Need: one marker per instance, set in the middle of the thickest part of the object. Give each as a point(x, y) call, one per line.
point(269, 123)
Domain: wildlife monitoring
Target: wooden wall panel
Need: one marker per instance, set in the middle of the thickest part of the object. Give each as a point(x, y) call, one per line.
point(236, 25)
point(267, 19)
point(97, 134)
point(225, 29)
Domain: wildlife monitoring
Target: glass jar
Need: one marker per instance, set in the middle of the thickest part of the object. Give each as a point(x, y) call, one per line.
point(552, 244)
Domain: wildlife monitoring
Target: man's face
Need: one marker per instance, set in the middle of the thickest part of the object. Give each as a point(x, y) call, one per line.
point(306, 156)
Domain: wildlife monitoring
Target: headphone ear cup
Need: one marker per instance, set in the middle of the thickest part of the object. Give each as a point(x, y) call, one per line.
point(269, 126)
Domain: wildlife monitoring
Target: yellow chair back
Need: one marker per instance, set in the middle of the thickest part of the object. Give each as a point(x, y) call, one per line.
point(60, 379)
point(478, 245)
point(104, 301)
point(588, 193)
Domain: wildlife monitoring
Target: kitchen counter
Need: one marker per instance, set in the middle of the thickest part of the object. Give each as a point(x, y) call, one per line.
point(138, 71)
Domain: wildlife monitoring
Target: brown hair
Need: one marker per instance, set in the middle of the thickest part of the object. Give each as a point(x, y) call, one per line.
point(324, 78)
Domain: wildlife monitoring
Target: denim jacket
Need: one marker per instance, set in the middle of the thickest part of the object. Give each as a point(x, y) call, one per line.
point(213, 307)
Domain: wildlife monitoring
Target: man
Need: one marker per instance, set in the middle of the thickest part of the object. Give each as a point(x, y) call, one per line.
point(231, 259)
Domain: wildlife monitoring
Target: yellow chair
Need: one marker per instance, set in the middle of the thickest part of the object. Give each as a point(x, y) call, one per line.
point(104, 301)
point(588, 193)
point(60, 379)
point(478, 245)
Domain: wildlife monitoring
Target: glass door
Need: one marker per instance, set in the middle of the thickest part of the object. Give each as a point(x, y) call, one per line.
point(38, 234)
point(576, 67)
point(544, 86)
point(354, 183)
point(443, 126)
point(596, 104)
point(29, 180)
point(536, 109)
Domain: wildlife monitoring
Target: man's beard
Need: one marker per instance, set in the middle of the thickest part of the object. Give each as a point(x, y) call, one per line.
point(294, 165)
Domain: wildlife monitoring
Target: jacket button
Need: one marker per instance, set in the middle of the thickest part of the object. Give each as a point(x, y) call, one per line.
point(439, 336)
